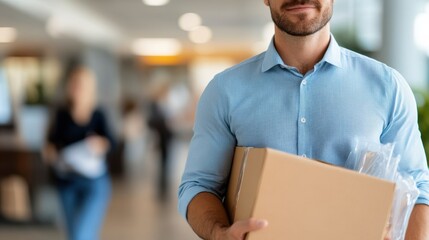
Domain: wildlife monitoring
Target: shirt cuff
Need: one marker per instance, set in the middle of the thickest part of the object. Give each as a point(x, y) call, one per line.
point(187, 197)
point(422, 201)
point(423, 186)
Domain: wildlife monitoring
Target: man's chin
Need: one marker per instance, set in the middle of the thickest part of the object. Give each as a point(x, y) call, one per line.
point(299, 32)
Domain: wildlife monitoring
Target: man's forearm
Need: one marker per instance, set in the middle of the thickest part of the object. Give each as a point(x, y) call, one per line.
point(418, 226)
point(206, 215)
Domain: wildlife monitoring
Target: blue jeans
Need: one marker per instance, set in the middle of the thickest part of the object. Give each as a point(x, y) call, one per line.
point(84, 202)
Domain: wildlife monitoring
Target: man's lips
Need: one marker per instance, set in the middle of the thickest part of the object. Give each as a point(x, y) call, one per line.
point(300, 7)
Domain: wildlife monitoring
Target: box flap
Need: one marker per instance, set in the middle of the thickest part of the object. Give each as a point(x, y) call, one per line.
point(250, 175)
point(235, 181)
point(243, 182)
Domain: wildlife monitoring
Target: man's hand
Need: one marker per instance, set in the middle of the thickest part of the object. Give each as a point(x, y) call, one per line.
point(209, 220)
point(239, 229)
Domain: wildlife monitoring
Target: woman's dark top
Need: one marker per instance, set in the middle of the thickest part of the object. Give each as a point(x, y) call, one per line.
point(65, 131)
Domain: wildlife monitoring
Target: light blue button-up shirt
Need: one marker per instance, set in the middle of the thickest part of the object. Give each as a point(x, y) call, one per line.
point(262, 102)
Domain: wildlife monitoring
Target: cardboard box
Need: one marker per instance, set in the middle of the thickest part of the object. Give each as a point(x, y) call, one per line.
point(304, 199)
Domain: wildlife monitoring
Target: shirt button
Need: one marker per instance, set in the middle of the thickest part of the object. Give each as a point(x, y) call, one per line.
point(303, 155)
point(303, 120)
point(304, 82)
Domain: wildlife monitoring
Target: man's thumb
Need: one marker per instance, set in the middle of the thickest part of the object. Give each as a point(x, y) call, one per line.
point(243, 227)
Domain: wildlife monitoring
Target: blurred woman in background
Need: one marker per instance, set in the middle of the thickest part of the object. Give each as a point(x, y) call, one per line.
point(78, 142)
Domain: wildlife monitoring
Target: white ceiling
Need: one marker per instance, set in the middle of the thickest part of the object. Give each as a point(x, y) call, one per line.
point(235, 24)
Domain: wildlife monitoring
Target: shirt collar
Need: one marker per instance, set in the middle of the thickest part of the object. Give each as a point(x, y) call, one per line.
point(272, 57)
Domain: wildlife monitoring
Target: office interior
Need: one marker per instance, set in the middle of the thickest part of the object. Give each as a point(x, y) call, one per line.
point(144, 51)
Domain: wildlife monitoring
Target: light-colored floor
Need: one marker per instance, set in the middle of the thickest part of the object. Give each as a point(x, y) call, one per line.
point(134, 212)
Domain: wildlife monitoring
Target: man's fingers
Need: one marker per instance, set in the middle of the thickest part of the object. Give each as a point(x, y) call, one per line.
point(240, 228)
point(255, 224)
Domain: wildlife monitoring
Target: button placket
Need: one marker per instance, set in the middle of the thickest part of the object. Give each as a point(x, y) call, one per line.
point(302, 119)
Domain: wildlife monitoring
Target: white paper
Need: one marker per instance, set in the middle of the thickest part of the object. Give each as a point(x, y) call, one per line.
point(81, 159)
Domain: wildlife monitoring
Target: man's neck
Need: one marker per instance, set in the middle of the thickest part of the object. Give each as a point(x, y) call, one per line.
point(302, 52)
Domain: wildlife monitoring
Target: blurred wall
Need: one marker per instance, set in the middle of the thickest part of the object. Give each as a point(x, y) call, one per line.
point(399, 49)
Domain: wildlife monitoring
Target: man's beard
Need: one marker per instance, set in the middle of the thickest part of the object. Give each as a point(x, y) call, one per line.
point(304, 26)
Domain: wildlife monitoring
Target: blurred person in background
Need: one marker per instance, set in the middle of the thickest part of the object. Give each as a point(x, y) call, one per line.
point(133, 131)
point(78, 142)
point(158, 122)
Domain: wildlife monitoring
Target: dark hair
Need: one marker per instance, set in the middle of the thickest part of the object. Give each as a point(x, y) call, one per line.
point(72, 65)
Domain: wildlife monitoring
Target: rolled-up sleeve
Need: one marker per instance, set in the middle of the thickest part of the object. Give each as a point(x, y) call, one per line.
point(211, 149)
point(403, 130)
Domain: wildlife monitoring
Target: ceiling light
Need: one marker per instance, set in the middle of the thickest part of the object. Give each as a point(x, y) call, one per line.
point(7, 34)
point(155, 2)
point(156, 47)
point(189, 21)
point(201, 34)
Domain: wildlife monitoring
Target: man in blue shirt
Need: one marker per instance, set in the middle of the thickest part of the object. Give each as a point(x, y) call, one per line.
point(305, 95)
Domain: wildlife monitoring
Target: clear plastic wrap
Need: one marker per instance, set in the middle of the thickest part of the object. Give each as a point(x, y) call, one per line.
point(406, 194)
point(376, 160)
